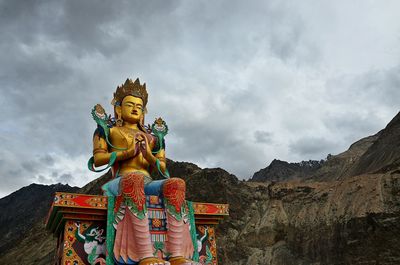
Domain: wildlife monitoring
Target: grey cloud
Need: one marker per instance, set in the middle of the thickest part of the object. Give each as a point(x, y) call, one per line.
point(213, 142)
point(352, 126)
point(363, 98)
point(263, 137)
point(14, 172)
point(384, 83)
point(366, 87)
point(285, 36)
point(312, 147)
point(349, 121)
point(81, 26)
point(65, 178)
point(47, 159)
point(43, 179)
point(29, 166)
point(12, 180)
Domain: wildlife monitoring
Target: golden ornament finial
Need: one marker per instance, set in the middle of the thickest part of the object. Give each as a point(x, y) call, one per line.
point(159, 121)
point(130, 88)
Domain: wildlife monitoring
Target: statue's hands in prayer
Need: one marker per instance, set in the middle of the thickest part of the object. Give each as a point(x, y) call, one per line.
point(131, 151)
point(146, 150)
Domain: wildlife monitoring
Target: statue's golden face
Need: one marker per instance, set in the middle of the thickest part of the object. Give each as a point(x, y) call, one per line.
point(131, 109)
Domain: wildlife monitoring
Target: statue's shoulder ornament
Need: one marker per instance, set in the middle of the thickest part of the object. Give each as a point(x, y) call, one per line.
point(159, 129)
point(104, 122)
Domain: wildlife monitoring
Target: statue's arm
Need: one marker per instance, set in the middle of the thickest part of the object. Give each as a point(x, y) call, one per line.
point(102, 155)
point(161, 157)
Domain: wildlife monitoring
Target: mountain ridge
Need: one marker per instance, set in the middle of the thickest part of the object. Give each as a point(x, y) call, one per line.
point(378, 153)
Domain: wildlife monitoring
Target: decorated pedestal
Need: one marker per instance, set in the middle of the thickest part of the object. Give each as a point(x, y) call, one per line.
point(79, 223)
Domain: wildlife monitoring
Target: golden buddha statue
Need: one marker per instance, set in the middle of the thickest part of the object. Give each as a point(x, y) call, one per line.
point(133, 152)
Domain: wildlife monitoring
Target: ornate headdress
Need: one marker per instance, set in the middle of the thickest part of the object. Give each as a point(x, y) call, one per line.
point(130, 88)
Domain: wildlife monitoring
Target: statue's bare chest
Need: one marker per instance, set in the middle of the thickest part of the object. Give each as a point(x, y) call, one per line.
point(124, 137)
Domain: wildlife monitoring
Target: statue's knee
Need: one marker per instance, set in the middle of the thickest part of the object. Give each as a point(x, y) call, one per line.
point(174, 193)
point(132, 187)
point(132, 181)
point(176, 183)
point(173, 185)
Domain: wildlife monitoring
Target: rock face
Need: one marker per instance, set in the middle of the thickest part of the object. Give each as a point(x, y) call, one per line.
point(346, 211)
point(339, 222)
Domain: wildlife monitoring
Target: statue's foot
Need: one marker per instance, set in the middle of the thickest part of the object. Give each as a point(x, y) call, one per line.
point(182, 261)
point(153, 261)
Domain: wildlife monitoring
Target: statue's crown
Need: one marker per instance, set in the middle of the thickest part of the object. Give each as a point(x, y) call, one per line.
point(130, 88)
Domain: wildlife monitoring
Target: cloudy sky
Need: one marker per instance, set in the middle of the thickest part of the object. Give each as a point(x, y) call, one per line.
point(238, 82)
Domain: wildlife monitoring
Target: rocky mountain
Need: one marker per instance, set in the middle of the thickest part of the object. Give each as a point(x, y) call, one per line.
point(341, 165)
point(282, 171)
point(346, 212)
point(377, 153)
point(384, 154)
point(23, 209)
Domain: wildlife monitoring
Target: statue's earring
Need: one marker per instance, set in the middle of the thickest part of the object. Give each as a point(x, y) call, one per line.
point(119, 121)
